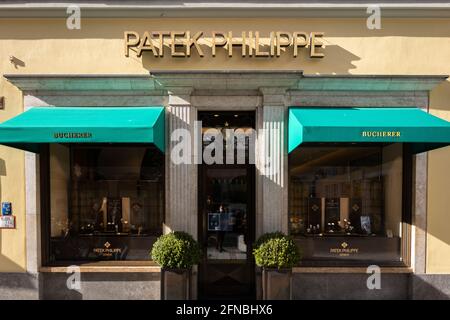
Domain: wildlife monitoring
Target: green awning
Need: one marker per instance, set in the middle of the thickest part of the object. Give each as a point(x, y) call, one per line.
point(385, 125)
point(84, 125)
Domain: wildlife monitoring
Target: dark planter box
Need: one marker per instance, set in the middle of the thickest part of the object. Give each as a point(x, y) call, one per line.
point(175, 284)
point(276, 284)
point(258, 283)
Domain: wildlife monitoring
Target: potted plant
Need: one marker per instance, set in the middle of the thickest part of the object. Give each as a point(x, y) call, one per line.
point(276, 254)
point(176, 253)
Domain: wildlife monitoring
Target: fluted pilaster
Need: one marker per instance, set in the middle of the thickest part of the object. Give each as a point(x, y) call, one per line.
point(181, 178)
point(272, 163)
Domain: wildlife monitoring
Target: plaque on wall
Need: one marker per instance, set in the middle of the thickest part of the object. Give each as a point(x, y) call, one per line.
point(213, 221)
point(7, 222)
point(6, 208)
point(366, 225)
point(314, 212)
point(220, 221)
point(355, 211)
point(332, 210)
point(114, 213)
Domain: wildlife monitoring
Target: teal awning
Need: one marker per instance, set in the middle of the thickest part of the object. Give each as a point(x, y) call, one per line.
point(84, 125)
point(385, 125)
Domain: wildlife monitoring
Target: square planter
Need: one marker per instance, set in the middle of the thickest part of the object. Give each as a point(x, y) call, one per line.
point(277, 284)
point(175, 284)
point(258, 283)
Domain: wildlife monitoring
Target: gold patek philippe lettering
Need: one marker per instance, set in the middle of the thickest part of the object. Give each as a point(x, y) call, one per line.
point(284, 39)
point(300, 40)
point(243, 42)
point(258, 44)
point(176, 42)
point(131, 40)
point(193, 41)
point(146, 44)
point(218, 40)
point(251, 43)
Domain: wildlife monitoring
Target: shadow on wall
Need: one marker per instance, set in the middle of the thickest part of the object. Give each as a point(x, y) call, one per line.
point(16, 62)
point(5, 263)
point(106, 286)
point(349, 286)
point(440, 99)
point(337, 59)
point(430, 287)
point(354, 287)
point(438, 186)
point(14, 285)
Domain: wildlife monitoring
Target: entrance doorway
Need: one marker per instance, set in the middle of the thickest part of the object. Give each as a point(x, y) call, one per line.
point(227, 216)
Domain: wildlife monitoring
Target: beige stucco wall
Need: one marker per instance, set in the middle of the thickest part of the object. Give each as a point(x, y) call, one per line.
point(12, 187)
point(400, 47)
point(438, 222)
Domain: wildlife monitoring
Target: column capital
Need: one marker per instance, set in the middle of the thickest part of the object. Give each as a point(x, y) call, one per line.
point(179, 95)
point(274, 96)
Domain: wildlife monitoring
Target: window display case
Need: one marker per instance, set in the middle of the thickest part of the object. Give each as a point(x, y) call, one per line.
point(107, 202)
point(345, 202)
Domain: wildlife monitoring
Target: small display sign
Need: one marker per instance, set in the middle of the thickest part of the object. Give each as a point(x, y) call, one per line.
point(7, 222)
point(366, 225)
point(220, 221)
point(6, 208)
point(213, 221)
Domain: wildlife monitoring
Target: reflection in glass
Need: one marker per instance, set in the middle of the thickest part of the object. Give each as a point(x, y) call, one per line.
point(227, 189)
point(226, 209)
point(353, 192)
point(106, 202)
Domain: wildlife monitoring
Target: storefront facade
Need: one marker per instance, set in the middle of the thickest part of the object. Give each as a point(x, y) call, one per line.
point(107, 130)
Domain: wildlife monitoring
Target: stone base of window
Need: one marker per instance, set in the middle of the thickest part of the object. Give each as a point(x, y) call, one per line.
point(349, 270)
point(101, 269)
point(104, 267)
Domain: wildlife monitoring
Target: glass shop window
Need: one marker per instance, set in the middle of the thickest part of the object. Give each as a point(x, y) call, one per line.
point(107, 202)
point(345, 203)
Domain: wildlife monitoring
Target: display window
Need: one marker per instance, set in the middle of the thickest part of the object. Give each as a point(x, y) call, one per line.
point(346, 202)
point(106, 202)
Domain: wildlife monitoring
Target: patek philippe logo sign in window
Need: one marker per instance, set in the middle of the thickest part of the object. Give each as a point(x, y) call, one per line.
point(249, 43)
point(107, 250)
point(344, 250)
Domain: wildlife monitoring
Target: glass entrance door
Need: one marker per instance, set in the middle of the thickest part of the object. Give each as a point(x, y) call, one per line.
point(226, 213)
point(226, 225)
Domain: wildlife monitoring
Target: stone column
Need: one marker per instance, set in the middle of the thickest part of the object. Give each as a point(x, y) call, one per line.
point(419, 214)
point(419, 221)
point(181, 179)
point(33, 210)
point(272, 210)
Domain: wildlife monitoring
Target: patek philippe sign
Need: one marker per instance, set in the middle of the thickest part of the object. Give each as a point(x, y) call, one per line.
point(344, 250)
point(249, 43)
point(107, 250)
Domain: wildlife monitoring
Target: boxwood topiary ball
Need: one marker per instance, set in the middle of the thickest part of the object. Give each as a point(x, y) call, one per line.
point(176, 250)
